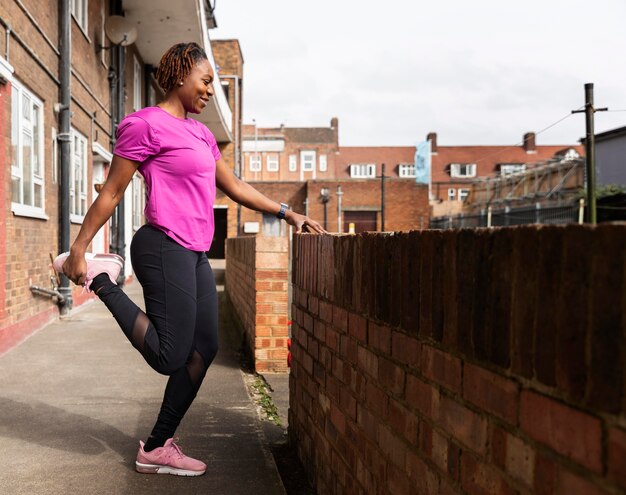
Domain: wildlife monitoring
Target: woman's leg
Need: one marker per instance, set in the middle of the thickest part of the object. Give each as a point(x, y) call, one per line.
point(184, 384)
point(165, 333)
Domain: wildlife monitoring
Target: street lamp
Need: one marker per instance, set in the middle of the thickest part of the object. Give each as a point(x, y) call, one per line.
point(325, 198)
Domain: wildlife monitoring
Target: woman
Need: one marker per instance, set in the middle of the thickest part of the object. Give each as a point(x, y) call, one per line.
point(181, 164)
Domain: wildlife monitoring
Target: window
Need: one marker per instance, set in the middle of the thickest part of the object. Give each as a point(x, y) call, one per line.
point(136, 84)
point(463, 194)
point(27, 167)
point(80, 11)
point(225, 89)
point(511, 168)
point(272, 162)
point(323, 164)
point(138, 201)
point(406, 170)
point(307, 159)
point(462, 170)
point(272, 226)
point(363, 170)
point(293, 163)
point(255, 163)
point(78, 177)
point(451, 194)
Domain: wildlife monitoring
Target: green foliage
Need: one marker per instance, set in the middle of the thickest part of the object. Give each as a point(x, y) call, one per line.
point(604, 191)
point(264, 400)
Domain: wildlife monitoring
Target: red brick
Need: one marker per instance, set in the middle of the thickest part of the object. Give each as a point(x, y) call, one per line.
point(376, 400)
point(391, 376)
point(519, 460)
point(326, 312)
point(545, 475)
point(367, 422)
point(439, 452)
point(441, 368)
point(569, 432)
point(403, 422)
point(392, 446)
point(397, 481)
point(423, 479)
point(332, 339)
point(338, 418)
point(572, 484)
point(426, 439)
point(349, 349)
point(348, 403)
point(491, 392)
point(405, 349)
point(357, 327)
point(340, 318)
point(419, 394)
point(368, 362)
point(464, 425)
point(480, 479)
point(379, 337)
point(617, 456)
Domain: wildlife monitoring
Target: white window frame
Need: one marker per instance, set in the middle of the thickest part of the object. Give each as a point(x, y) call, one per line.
point(255, 162)
point(406, 170)
point(21, 127)
point(80, 12)
point(363, 170)
point(138, 201)
point(512, 168)
point(463, 194)
point(293, 163)
point(307, 160)
point(451, 194)
point(78, 199)
point(136, 84)
point(323, 163)
point(271, 162)
point(463, 170)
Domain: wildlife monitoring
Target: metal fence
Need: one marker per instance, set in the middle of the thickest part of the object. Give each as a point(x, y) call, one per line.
point(539, 214)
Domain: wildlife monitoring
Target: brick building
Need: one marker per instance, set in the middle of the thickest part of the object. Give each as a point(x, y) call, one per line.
point(455, 168)
point(338, 186)
point(34, 74)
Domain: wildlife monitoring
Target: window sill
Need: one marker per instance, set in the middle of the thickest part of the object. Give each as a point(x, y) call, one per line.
point(20, 210)
point(76, 219)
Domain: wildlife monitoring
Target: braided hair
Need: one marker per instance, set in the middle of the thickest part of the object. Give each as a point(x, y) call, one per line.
point(177, 62)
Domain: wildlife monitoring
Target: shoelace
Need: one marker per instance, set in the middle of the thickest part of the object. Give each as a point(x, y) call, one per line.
point(177, 450)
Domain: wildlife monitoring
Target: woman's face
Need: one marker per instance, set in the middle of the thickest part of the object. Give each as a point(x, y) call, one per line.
point(197, 87)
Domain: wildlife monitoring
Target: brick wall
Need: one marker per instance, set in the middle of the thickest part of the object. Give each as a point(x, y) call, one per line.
point(256, 283)
point(471, 361)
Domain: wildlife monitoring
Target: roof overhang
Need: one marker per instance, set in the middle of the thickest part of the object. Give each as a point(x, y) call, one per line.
point(163, 23)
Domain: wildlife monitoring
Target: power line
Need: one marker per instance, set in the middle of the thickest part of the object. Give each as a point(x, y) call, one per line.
point(495, 153)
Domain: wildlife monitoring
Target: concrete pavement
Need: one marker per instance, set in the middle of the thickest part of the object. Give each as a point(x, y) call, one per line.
point(76, 397)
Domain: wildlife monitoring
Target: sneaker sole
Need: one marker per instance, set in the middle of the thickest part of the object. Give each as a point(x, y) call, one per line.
point(110, 257)
point(158, 469)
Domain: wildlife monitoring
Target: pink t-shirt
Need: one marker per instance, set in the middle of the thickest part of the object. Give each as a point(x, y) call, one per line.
point(177, 159)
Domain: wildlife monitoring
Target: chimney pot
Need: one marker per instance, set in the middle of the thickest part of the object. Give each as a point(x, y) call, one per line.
point(529, 142)
point(432, 137)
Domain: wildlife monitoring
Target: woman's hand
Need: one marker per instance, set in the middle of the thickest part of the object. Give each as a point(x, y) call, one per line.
point(75, 267)
point(303, 223)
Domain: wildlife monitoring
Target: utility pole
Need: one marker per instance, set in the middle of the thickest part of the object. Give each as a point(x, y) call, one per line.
point(382, 199)
point(590, 151)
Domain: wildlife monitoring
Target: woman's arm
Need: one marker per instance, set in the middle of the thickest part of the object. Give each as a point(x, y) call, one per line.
point(99, 212)
point(246, 195)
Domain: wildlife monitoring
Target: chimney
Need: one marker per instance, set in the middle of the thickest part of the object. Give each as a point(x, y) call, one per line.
point(334, 125)
point(432, 137)
point(529, 142)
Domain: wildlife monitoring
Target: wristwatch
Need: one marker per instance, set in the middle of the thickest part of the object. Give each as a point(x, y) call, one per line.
point(281, 214)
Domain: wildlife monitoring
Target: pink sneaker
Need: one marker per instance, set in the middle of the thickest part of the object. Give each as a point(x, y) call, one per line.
point(108, 263)
point(168, 459)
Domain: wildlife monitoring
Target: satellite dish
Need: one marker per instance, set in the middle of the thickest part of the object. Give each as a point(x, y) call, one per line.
point(120, 31)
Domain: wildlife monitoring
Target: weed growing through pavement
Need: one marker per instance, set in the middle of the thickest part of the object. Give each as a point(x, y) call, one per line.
point(264, 400)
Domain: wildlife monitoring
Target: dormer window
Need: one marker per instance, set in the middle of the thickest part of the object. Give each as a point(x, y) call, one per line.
point(462, 170)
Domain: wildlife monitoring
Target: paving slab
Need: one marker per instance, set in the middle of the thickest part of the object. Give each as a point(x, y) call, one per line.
point(76, 397)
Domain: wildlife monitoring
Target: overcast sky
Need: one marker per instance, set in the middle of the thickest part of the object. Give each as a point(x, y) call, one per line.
point(476, 72)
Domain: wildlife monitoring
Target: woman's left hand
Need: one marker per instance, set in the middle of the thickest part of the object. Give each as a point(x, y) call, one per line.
point(303, 223)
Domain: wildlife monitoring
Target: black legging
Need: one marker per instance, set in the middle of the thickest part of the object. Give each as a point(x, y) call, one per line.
point(177, 335)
